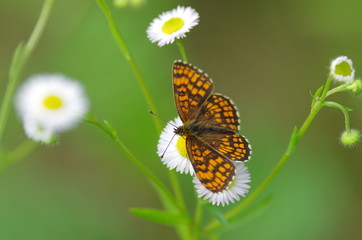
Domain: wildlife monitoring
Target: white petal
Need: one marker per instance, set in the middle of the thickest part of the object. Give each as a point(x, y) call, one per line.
point(172, 157)
point(231, 194)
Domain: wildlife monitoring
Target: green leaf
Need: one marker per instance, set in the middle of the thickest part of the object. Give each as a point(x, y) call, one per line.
point(217, 213)
point(159, 216)
point(293, 141)
point(316, 95)
point(246, 216)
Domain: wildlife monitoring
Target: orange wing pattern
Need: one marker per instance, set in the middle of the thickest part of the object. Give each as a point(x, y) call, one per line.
point(211, 122)
point(191, 89)
point(220, 111)
point(233, 147)
point(212, 169)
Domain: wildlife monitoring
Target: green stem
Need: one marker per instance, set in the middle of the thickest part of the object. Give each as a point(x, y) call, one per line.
point(344, 111)
point(194, 227)
point(198, 218)
point(291, 146)
point(20, 57)
point(340, 88)
point(110, 131)
point(127, 54)
point(181, 48)
point(145, 170)
point(18, 154)
point(177, 190)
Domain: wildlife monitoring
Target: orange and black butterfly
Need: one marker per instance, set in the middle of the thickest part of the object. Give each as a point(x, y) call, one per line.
point(210, 126)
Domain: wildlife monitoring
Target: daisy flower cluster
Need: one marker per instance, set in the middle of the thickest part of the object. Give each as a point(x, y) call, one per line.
point(49, 104)
point(341, 69)
point(172, 148)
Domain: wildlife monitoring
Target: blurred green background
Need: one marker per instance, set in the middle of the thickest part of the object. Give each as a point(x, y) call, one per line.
point(267, 55)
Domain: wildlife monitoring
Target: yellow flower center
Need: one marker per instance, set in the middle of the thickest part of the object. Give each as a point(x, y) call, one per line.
point(52, 102)
point(343, 69)
point(181, 146)
point(172, 25)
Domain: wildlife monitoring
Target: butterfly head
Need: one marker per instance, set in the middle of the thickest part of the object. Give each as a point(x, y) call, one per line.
point(179, 130)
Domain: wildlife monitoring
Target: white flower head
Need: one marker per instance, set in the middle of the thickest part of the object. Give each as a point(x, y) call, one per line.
point(38, 133)
point(172, 24)
point(174, 149)
point(237, 187)
point(342, 69)
point(51, 101)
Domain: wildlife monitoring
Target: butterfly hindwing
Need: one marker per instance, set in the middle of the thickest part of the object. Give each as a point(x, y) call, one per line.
point(191, 89)
point(212, 169)
point(233, 147)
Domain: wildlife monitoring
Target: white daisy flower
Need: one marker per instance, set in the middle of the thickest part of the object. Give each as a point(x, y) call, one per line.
point(237, 187)
point(175, 153)
point(172, 24)
point(342, 69)
point(51, 102)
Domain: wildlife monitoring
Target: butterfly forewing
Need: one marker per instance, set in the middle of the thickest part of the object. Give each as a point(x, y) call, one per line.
point(219, 111)
point(191, 89)
point(212, 169)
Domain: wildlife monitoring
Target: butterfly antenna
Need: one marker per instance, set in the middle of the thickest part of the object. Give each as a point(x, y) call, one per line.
point(150, 111)
point(163, 154)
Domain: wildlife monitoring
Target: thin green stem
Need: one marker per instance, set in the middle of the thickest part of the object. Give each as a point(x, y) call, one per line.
point(340, 88)
point(127, 54)
point(110, 131)
point(198, 218)
point(181, 48)
point(145, 170)
point(177, 190)
point(194, 227)
point(291, 146)
point(20, 57)
point(18, 154)
point(182, 231)
point(326, 87)
point(344, 111)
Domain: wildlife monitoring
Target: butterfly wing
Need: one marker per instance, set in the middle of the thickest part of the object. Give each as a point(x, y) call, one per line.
point(214, 171)
point(233, 147)
point(219, 111)
point(192, 88)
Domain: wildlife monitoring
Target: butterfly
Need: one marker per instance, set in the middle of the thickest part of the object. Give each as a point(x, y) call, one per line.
point(210, 126)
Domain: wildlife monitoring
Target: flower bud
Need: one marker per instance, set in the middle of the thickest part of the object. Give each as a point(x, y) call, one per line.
point(350, 138)
point(120, 3)
point(342, 69)
point(356, 87)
